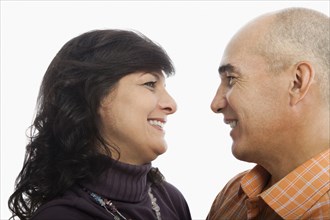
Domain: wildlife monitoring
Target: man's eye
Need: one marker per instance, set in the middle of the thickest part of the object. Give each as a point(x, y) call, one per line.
point(151, 84)
point(231, 80)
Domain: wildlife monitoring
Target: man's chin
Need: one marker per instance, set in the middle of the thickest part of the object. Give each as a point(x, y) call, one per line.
point(239, 152)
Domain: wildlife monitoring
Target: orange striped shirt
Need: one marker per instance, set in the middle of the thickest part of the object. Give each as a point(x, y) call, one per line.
point(302, 194)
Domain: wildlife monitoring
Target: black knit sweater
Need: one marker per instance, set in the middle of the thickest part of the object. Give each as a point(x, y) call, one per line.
point(127, 186)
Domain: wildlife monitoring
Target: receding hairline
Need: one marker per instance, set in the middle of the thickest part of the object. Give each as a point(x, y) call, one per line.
point(285, 37)
point(284, 21)
point(295, 35)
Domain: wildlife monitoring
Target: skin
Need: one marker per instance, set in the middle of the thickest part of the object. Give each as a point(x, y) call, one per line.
point(126, 113)
point(278, 125)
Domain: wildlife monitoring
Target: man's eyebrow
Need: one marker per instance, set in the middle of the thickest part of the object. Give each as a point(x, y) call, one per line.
point(227, 68)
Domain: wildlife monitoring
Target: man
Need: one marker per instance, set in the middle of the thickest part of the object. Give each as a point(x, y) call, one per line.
point(274, 93)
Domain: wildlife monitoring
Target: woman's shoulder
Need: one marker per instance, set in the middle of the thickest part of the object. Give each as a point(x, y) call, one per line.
point(70, 206)
point(60, 209)
point(172, 190)
point(174, 198)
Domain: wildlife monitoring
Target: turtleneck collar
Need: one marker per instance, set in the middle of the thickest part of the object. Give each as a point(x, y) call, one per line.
point(122, 182)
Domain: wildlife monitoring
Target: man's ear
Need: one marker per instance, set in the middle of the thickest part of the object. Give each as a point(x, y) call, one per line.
point(303, 76)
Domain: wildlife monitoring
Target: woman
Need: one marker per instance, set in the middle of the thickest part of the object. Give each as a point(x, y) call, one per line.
point(101, 110)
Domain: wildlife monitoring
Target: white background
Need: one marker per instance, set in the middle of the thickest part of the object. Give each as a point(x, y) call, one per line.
point(194, 33)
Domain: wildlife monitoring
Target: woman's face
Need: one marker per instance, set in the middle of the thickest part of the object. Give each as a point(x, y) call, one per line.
point(133, 116)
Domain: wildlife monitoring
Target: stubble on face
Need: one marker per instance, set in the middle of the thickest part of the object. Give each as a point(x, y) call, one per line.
point(256, 98)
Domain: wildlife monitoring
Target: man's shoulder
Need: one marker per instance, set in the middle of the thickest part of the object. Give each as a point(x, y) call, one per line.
point(235, 182)
point(228, 198)
point(321, 209)
point(232, 188)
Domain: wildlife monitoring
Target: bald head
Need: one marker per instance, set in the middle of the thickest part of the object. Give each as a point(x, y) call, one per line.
point(293, 35)
point(284, 38)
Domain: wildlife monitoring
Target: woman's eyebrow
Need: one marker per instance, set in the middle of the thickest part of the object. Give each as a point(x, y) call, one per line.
point(158, 75)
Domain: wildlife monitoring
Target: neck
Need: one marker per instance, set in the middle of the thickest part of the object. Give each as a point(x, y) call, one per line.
point(122, 182)
point(312, 139)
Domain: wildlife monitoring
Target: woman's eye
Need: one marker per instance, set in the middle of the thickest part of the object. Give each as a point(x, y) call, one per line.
point(151, 84)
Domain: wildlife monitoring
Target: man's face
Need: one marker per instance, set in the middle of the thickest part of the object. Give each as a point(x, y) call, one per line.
point(253, 101)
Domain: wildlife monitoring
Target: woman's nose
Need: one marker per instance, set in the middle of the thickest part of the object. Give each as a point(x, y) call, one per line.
point(167, 103)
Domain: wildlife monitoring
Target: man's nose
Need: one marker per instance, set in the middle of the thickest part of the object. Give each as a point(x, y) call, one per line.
point(219, 101)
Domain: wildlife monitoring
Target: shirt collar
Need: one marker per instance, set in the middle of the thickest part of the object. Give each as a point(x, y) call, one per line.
point(253, 183)
point(295, 193)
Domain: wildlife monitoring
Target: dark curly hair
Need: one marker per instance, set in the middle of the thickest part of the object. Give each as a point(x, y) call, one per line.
point(65, 139)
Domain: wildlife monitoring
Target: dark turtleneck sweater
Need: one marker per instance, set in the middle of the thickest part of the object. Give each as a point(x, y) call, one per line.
point(127, 187)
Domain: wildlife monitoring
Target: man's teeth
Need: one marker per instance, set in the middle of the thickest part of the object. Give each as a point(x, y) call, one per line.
point(233, 124)
point(157, 123)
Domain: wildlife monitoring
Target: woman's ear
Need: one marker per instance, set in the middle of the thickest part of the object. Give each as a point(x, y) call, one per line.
point(303, 76)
